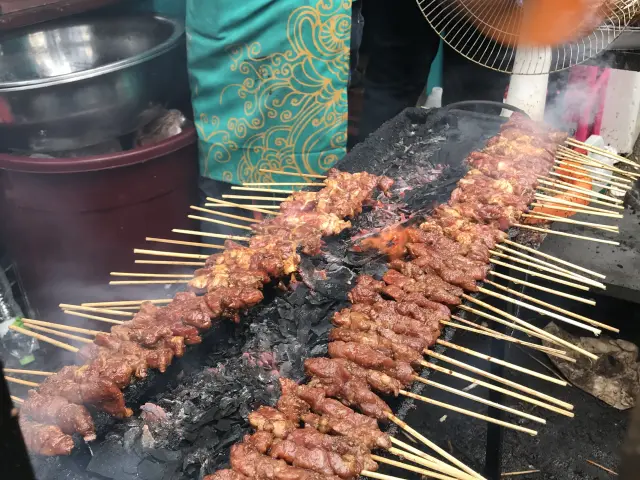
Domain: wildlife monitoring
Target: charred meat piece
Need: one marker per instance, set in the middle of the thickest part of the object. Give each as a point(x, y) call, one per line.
point(118, 366)
point(55, 410)
point(158, 357)
point(268, 419)
point(368, 319)
point(383, 314)
point(46, 440)
point(368, 357)
point(289, 404)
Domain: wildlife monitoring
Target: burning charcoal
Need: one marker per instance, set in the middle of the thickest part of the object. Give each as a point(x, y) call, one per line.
point(111, 460)
point(130, 437)
point(148, 442)
point(164, 455)
point(150, 470)
point(152, 413)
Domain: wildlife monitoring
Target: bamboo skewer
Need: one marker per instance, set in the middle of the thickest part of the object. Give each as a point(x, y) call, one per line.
point(153, 275)
point(542, 311)
point(16, 399)
point(284, 184)
point(255, 197)
point(61, 326)
point(587, 160)
point(147, 282)
point(161, 262)
point(490, 386)
point(44, 338)
point(610, 184)
point(550, 269)
point(469, 413)
point(475, 398)
point(603, 468)
point(554, 307)
point(506, 323)
point(582, 197)
point(379, 476)
point(576, 210)
point(411, 468)
point(93, 317)
point(219, 222)
point(223, 214)
point(412, 454)
point(188, 244)
point(136, 307)
point(261, 190)
point(497, 361)
point(562, 201)
point(293, 174)
point(433, 446)
point(565, 234)
point(540, 287)
point(540, 275)
point(551, 257)
point(212, 235)
point(598, 174)
point(21, 382)
point(217, 202)
point(59, 333)
point(161, 253)
point(488, 331)
point(496, 378)
point(601, 151)
point(127, 302)
point(582, 191)
point(528, 325)
point(524, 472)
point(546, 216)
point(66, 306)
point(482, 330)
point(531, 258)
point(38, 373)
point(240, 205)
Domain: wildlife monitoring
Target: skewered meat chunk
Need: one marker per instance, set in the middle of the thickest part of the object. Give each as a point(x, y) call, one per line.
point(344, 446)
point(247, 461)
point(386, 346)
point(354, 393)
point(86, 388)
point(430, 285)
point(54, 410)
point(333, 416)
point(268, 419)
point(46, 440)
point(226, 474)
point(159, 357)
point(315, 459)
point(359, 318)
point(227, 302)
point(367, 357)
point(345, 370)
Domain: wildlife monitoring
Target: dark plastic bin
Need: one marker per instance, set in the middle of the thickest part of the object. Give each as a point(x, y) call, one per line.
point(69, 222)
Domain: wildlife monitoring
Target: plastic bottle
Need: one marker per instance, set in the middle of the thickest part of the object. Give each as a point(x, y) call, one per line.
point(16, 348)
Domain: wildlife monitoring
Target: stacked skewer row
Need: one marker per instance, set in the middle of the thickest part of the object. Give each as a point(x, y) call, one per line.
point(378, 341)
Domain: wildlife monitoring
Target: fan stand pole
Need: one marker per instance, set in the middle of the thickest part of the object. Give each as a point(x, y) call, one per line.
point(527, 91)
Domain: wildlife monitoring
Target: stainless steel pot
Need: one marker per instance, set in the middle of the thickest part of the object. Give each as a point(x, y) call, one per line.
point(70, 84)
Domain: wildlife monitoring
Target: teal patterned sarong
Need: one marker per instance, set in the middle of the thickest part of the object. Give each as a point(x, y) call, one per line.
point(269, 85)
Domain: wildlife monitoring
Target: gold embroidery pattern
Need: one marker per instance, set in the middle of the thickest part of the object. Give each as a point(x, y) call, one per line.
point(294, 102)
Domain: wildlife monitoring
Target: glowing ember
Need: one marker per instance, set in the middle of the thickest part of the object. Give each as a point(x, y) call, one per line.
point(391, 241)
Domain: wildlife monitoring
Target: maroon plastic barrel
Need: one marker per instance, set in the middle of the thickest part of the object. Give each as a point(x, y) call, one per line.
point(69, 222)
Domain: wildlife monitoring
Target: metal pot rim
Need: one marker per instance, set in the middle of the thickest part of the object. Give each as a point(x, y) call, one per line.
point(170, 43)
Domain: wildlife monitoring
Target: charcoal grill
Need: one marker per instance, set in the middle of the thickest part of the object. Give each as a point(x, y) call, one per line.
point(207, 394)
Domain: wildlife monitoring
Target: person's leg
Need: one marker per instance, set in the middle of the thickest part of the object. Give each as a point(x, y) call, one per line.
point(463, 79)
point(402, 47)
